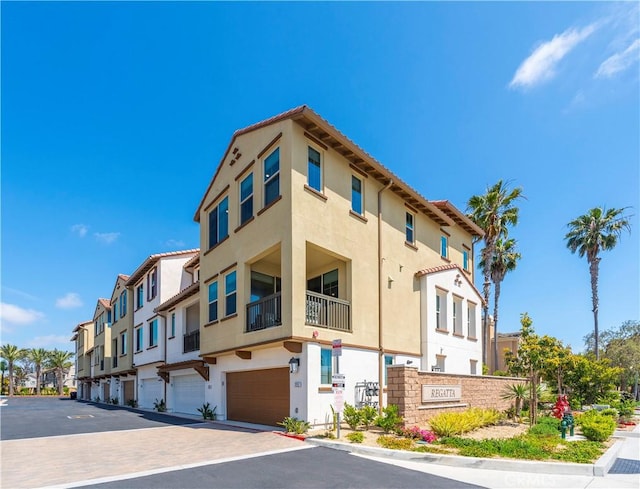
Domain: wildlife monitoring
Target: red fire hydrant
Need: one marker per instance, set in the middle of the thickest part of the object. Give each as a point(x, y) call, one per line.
point(562, 411)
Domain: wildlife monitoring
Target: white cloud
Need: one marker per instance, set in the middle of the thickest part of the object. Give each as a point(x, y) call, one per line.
point(17, 315)
point(70, 300)
point(80, 229)
point(106, 238)
point(540, 66)
point(619, 61)
point(50, 342)
point(174, 243)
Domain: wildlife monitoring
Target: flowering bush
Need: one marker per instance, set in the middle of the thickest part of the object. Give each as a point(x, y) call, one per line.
point(415, 433)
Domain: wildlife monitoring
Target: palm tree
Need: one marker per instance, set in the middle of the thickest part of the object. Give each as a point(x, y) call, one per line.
point(505, 259)
point(11, 354)
point(516, 393)
point(3, 367)
point(597, 230)
point(59, 362)
point(39, 357)
point(494, 212)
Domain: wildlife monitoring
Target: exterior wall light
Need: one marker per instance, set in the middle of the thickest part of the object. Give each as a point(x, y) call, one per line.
point(294, 365)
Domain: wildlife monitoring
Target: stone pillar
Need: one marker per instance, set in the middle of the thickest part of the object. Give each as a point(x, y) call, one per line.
point(403, 390)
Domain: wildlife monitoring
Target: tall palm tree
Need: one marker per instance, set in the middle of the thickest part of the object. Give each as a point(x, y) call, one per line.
point(11, 354)
point(494, 212)
point(597, 230)
point(3, 367)
point(505, 259)
point(39, 357)
point(60, 362)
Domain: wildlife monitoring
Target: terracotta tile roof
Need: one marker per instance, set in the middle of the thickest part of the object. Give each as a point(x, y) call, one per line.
point(82, 325)
point(123, 276)
point(152, 260)
point(319, 127)
point(105, 302)
point(459, 217)
point(449, 266)
point(192, 262)
point(183, 294)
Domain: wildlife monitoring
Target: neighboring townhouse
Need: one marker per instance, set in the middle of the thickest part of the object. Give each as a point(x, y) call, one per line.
point(184, 372)
point(123, 375)
point(100, 351)
point(157, 279)
point(507, 342)
point(83, 338)
point(305, 239)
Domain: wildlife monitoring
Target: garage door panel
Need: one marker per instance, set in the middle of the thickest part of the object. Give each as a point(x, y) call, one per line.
point(150, 390)
point(188, 393)
point(258, 396)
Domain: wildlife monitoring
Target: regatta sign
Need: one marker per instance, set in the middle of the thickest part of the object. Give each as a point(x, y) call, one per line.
point(439, 393)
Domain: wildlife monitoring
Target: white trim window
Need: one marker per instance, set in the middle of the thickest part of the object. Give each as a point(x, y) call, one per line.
point(314, 169)
point(457, 316)
point(272, 177)
point(471, 320)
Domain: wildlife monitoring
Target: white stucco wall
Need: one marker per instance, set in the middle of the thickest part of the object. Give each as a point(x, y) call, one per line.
point(457, 350)
point(175, 345)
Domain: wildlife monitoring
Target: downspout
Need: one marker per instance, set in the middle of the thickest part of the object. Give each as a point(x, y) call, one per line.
point(380, 345)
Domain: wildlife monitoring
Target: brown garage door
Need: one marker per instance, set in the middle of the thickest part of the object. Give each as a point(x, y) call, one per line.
point(258, 396)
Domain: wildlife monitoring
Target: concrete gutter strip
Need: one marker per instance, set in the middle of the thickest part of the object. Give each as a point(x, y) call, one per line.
point(600, 468)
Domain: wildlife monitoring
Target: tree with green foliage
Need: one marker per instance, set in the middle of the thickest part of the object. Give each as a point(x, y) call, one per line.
point(622, 347)
point(505, 259)
point(533, 355)
point(494, 212)
point(12, 354)
point(39, 357)
point(597, 230)
point(60, 362)
point(591, 380)
point(3, 368)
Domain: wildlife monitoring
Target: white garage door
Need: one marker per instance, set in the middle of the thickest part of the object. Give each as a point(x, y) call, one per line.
point(150, 390)
point(188, 393)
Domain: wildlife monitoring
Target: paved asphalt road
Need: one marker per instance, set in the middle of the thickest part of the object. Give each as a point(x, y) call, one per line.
point(312, 468)
point(24, 417)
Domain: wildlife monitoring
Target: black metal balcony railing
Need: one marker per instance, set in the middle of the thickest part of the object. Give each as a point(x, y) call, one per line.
point(327, 312)
point(191, 342)
point(264, 313)
point(114, 362)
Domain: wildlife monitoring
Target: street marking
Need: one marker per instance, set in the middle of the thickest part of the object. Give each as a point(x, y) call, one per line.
point(147, 473)
point(81, 416)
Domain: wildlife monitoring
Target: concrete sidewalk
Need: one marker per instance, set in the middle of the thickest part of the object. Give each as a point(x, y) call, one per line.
point(505, 474)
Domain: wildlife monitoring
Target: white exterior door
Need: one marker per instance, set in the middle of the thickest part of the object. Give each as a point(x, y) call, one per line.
point(150, 391)
point(188, 393)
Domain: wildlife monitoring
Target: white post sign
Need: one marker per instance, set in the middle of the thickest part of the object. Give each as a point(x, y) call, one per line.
point(336, 348)
point(337, 382)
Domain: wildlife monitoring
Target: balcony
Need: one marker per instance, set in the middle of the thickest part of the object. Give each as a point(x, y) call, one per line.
point(264, 313)
point(191, 342)
point(327, 312)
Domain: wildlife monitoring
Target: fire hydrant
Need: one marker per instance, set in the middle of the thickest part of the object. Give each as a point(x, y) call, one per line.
point(567, 422)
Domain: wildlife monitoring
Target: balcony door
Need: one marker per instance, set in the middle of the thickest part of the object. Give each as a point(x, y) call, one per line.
point(325, 284)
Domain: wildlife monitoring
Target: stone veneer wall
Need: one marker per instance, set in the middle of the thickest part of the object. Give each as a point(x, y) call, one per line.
point(404, 388)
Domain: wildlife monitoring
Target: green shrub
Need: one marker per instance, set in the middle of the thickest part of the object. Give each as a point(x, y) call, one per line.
point(356, 437)
point(500, 373)
point(115, 400)
point(389, 420)
point(613, 412)
point(132, 403)
point(351, 415)
point(368, 416)
point(207, 412)
point(598, 427)
point(160, 405)
point(295, 425)
point(395, 443)
point(456, 423)
point(546, 426)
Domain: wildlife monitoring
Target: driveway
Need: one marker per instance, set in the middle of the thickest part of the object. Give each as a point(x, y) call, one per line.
point(67, 442)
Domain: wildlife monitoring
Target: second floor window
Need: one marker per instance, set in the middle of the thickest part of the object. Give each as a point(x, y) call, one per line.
point(471, 320)
point(123, 304)
point(152, 284)
point(230, 294)
point(219, 222)
point(139, 296)
point(213, 301)
point(173, 324)
point(444, 247)
point(123, 344)
point(356, 195)
point(115, 311)
point(409, 228)
point(139, 339)
point(465, 260)
point(272, 177)
point(153, 333)
point(326, 284)
point(314, 171)
point(246, 199)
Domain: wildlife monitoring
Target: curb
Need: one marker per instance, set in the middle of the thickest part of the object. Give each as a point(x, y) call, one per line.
point(599, 469)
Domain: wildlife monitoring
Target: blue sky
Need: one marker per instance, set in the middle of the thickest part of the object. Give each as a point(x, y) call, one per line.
point(115, 115)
